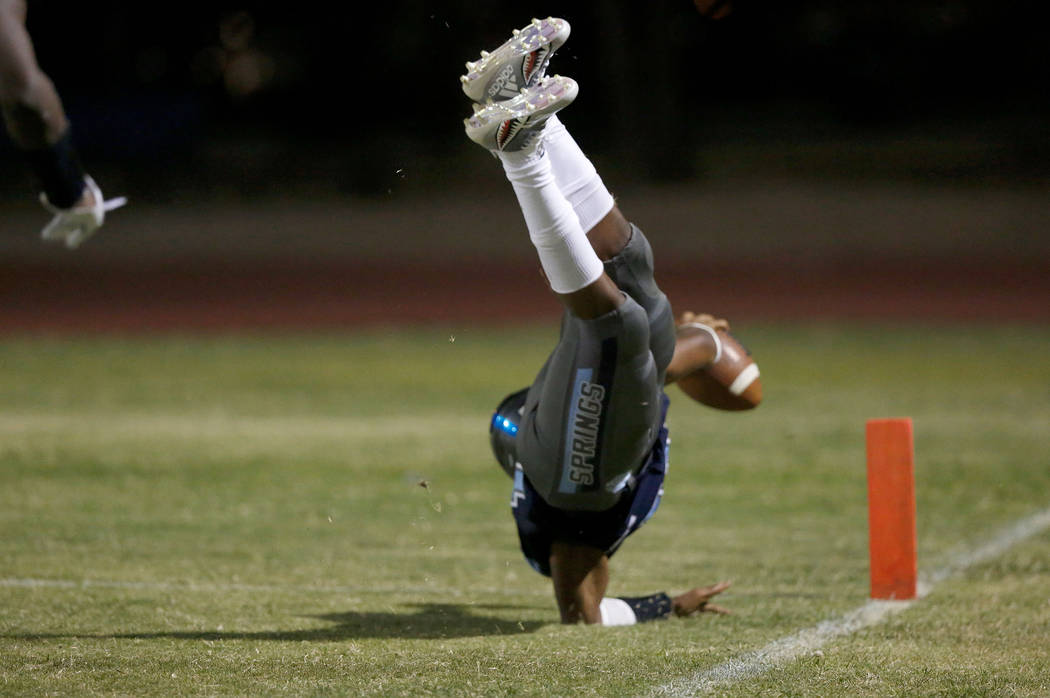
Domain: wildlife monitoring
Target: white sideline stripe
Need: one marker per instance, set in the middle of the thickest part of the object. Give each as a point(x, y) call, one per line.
point(30, 583)
point(787, 649)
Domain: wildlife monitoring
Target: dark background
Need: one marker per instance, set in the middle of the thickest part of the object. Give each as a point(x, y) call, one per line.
point(242, 99)
point(290, 166)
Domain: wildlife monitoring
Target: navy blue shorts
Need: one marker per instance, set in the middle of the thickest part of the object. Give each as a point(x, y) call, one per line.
point(540, 524)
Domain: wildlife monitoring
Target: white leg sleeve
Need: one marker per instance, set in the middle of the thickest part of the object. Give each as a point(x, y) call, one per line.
point(616, 612)
point(577, 178)
point(565, 253)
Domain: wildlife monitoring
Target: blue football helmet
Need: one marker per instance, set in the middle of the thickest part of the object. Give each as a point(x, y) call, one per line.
point(503, 430)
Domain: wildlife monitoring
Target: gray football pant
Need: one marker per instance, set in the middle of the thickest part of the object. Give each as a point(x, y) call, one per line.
point(593, 412)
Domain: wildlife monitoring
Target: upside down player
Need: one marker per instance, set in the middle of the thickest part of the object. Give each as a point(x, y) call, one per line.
point(586, 444)
point(38, 125)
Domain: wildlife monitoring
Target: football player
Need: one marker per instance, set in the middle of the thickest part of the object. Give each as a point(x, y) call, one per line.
point(586, 444)
point(38, 125)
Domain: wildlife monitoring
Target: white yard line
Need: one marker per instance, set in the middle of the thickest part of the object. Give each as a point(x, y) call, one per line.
point(804, 642)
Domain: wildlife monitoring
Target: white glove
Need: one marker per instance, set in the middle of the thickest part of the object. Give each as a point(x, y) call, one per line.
point(75, 225)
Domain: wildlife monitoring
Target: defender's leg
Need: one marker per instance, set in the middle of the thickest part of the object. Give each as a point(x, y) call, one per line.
point(31, 107)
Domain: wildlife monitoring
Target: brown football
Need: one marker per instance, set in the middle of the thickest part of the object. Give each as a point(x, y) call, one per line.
point(731, 383)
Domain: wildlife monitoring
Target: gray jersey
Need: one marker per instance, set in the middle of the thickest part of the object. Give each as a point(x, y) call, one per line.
point(594, 411)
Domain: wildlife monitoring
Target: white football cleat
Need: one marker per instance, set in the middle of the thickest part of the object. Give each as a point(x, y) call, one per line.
point(516, 124)
point(519, 63)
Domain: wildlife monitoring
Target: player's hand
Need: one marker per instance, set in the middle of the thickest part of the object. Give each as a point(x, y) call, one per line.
point(698, 600)
point(703, 319)
point(75, 225)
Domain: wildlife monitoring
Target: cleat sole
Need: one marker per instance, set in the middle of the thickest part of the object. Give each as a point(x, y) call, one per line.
point(516, 64)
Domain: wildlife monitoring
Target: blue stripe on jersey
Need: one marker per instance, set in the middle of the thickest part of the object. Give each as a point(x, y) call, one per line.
point(567, 486)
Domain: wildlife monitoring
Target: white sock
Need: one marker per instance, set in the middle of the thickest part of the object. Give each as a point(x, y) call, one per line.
point(576, 176)
point(565, 253)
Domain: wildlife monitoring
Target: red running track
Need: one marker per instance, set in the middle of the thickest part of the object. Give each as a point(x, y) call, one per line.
point(214, 297)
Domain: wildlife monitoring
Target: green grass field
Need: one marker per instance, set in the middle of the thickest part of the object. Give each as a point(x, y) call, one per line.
point(245, 516)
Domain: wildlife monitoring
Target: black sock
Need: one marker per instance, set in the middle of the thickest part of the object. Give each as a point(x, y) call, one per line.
point(59, 171)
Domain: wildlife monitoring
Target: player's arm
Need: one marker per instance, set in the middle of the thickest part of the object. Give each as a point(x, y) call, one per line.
point(37, 123)
point(711, 366)
point(697, 345)
point(580, 574)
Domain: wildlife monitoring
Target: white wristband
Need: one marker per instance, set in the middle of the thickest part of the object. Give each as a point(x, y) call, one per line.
point(714, 335)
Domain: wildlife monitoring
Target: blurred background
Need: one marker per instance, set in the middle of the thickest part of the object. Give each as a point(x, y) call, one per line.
point(307, 168)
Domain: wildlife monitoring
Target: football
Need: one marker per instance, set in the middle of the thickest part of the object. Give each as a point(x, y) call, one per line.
point(731, 383)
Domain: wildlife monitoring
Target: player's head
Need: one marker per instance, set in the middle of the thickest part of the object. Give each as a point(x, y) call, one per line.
point(503, 430)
